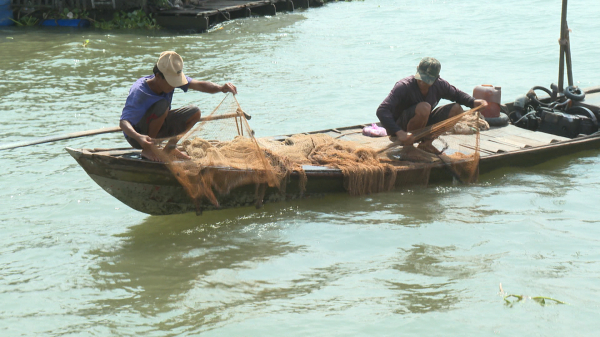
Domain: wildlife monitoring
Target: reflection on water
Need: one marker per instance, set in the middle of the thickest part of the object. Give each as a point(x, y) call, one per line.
point(436, 272)
point(167, 260)
point(410, 208)
point(199, 272)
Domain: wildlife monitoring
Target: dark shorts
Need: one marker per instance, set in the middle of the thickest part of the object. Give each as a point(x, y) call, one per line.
point(174, 122)
point(437, 115)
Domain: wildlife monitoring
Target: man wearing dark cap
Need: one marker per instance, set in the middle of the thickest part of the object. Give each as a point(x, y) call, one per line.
point(147, 113)
point(411, 105)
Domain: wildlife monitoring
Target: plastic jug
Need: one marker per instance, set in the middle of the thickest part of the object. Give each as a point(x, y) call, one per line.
point(492, 95)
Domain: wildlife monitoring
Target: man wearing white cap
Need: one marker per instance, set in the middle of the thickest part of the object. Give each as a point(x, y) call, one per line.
point(147, 113)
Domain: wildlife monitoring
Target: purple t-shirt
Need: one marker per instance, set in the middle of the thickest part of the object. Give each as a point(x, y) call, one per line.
point(406, 93)
point(141, 98)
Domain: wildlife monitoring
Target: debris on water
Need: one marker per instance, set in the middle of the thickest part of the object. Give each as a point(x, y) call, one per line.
point(542, 300)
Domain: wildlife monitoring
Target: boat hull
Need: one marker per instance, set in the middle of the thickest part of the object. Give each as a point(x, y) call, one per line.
point(150, 187)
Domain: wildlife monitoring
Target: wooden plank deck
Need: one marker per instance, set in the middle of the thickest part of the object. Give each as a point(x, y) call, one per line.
point(497, 140)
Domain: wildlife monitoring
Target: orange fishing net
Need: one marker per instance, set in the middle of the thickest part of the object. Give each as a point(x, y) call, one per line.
point(225, 156)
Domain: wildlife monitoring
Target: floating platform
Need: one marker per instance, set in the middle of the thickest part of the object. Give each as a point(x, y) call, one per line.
point(207, 13)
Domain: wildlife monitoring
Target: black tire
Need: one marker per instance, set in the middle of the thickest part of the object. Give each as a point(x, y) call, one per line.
point(498, 121)
point(546, 90)
point(532, 95)
point(574, 93)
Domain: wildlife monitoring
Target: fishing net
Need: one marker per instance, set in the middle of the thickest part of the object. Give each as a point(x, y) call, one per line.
point(225, 156)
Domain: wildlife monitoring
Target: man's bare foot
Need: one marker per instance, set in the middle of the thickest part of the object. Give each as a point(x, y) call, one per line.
point(149, 155)
point(428, 147)
point(405, 138)
point(178, 154)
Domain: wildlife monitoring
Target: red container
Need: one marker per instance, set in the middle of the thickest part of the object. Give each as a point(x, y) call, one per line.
point(492, 95)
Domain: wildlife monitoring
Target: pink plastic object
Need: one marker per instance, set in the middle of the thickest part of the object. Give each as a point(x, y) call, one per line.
point(374, 131)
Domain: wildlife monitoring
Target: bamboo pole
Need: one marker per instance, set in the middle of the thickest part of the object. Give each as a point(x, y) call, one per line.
point(60, 137)
point(565, 50)
point(96, 132)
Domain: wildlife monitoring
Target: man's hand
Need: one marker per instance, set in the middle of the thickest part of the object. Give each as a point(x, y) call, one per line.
point(145, 141)
point(479, 102)
point(406, 138)
point(228, 87)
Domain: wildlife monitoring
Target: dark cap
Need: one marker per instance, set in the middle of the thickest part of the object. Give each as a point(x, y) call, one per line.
point(428, 70)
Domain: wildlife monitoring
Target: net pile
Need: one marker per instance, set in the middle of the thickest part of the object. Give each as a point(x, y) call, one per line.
point(364, 172)
point(225, 155)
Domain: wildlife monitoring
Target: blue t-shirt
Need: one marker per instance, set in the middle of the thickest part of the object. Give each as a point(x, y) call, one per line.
point(141, 98)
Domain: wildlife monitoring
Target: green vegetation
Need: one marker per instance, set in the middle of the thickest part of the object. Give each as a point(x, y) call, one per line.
point(160, 3)
point(511, 299)
point(25, 21)
point(542, 300)
point(137, 19)
point(123, 20)
point(73, 14)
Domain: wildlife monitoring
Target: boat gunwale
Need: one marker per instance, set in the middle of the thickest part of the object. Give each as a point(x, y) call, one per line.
point(323, 170)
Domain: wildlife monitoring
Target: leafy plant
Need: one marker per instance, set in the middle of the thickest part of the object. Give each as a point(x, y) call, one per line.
point(129, 20)
point(25, 21)
point(161, 3)
point(73, 14)
point(511, 299)
point(542, 300)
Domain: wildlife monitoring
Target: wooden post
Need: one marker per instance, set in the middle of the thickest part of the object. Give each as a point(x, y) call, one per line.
point(568, 57)
point(203, 23)
point(301, 4)
point(565, 50)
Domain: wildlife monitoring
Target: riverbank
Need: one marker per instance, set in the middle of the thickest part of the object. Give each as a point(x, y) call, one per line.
point(191, 15)
point(202, 15)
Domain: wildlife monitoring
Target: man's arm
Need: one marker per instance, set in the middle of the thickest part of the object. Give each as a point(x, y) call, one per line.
point(212, 88)
point(386, 116)
point(461, 97)
point(453, 94)
point(144, 140)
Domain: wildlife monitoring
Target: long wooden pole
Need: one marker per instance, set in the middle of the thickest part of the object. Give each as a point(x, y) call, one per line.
point(568, 57)
point(563, 41)
point(61, 137)
point(95, 132)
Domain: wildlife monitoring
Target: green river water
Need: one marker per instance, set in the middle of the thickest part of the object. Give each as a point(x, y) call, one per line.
point(74, 261)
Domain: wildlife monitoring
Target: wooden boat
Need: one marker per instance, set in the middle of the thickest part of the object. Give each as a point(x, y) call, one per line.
point(149, 187)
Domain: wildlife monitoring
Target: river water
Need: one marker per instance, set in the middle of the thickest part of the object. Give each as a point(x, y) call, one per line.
point(75, 261)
